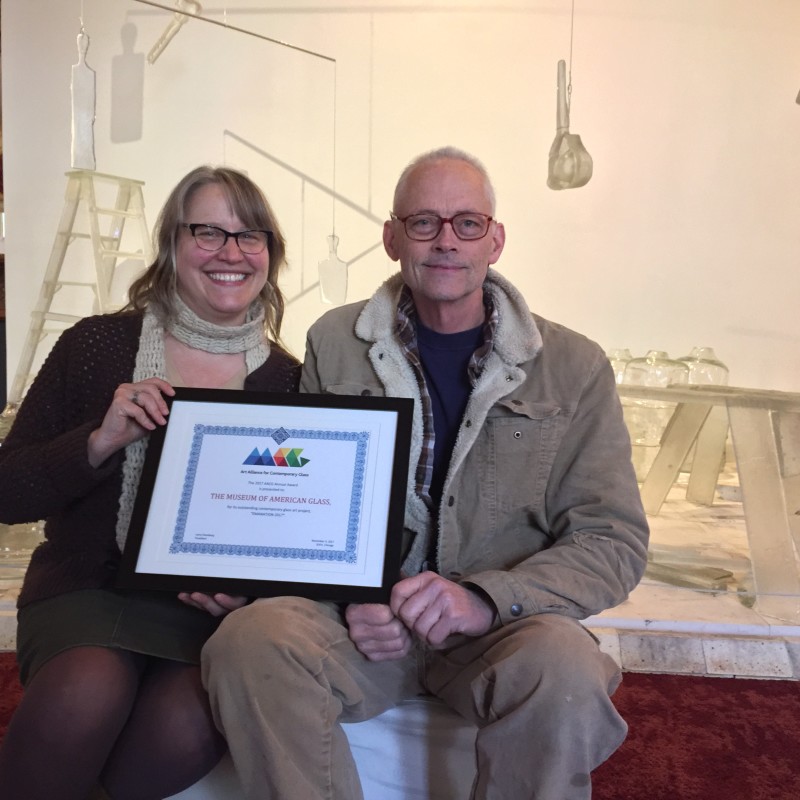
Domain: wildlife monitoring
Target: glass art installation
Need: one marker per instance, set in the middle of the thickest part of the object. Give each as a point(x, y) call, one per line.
point(647, 419)
point(333, 275)
point(705, 367)
point(619, 358)
point(179, 19)
point(83, 108)
point(569, 164)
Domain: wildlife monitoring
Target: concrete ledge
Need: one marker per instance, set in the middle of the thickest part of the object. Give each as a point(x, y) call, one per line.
point(682, 647)
point(715, 654)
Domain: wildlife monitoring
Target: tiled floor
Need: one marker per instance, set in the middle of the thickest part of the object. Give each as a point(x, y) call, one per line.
point(694, 612)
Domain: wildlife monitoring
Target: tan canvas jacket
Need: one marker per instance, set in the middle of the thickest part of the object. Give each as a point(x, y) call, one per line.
point(540, 505)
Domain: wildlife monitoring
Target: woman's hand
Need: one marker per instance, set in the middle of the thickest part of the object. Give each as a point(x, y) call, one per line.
point(135, 410)
point(218, 605)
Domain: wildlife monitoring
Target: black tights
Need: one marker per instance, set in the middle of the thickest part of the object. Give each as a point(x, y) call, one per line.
point(140, 726)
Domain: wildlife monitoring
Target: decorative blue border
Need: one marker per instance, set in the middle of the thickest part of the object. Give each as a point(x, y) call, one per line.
point(348, 555)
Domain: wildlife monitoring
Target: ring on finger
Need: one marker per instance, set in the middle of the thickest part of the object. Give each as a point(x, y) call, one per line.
point(135, 398)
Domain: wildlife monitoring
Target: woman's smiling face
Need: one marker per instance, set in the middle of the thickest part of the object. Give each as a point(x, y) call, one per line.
point(218, 286)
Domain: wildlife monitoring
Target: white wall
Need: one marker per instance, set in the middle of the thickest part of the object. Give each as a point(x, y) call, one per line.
point(687, 234)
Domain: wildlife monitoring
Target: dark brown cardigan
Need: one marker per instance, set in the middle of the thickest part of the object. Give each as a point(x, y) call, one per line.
point(44, 467)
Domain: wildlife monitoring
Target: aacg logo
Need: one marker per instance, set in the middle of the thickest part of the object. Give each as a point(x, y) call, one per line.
point(283, 457)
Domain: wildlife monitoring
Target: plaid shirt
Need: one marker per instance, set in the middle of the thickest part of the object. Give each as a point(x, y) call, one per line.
point(406, 329)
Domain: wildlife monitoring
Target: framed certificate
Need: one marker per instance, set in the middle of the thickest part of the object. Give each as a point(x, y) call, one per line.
point(259, 494)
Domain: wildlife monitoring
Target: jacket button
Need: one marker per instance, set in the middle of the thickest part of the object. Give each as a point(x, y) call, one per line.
point(509, 379)
point(366, 392)
point(516, 610)
point(516, 402)
point(468, 423)
point(517, 434)
point(451, 500)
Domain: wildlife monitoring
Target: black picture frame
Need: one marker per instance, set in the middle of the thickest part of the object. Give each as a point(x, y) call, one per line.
point(182, 539)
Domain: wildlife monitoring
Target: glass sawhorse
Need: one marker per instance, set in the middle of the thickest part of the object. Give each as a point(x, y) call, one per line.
point(765, 431)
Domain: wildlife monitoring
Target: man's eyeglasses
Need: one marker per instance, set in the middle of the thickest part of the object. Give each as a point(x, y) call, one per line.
point(424, 227)
point(212, 238)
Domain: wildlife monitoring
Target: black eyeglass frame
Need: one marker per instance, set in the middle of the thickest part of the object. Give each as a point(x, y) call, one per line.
point(489, 219)
point(193, 226)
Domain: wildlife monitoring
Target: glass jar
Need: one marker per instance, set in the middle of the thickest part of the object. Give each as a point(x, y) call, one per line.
point(619, 358)
point(646, 419)
point(705, 367)
point(656, 369)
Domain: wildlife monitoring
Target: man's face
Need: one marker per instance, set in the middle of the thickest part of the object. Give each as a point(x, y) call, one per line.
point(445, 274)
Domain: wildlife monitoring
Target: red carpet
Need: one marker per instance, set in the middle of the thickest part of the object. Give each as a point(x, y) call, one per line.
point(693, 738)
point(10, 689)
point(690, 738)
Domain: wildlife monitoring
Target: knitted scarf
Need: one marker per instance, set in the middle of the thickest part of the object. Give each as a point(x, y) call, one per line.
point(195, 332)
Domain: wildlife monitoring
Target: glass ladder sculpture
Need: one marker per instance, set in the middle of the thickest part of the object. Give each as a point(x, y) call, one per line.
point(82, 192)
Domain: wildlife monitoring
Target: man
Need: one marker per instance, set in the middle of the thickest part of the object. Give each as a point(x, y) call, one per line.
point(522, 517)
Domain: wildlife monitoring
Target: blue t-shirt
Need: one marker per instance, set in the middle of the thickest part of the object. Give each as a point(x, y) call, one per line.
point(445, 360)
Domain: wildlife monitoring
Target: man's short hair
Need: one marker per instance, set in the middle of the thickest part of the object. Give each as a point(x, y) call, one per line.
point(443, 154)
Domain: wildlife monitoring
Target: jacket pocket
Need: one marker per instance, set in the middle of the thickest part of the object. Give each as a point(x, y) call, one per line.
point(523, 441)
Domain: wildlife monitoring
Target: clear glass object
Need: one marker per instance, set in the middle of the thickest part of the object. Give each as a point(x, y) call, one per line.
point(647, 419)
point(333, 275)
point(705, 367)
point(569, 165)
point(179, 19)
point(83, 108)
point(619, 358)
point(656, 368)
point(7, 418)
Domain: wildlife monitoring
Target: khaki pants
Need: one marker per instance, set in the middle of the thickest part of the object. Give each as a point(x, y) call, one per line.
point(282, 674)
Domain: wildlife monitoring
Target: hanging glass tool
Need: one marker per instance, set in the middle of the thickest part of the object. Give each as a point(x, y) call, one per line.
point(333, 275)
point(179, 19)
point(569, 164)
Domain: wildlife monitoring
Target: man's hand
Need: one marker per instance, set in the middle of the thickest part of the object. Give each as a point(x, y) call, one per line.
point(376, 632)
point(434, 608)
point(218, 605)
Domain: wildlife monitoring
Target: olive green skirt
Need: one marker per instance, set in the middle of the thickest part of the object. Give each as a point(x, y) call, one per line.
point(152, 623)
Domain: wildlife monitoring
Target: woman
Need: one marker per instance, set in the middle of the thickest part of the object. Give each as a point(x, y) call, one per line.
point(113, 696)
